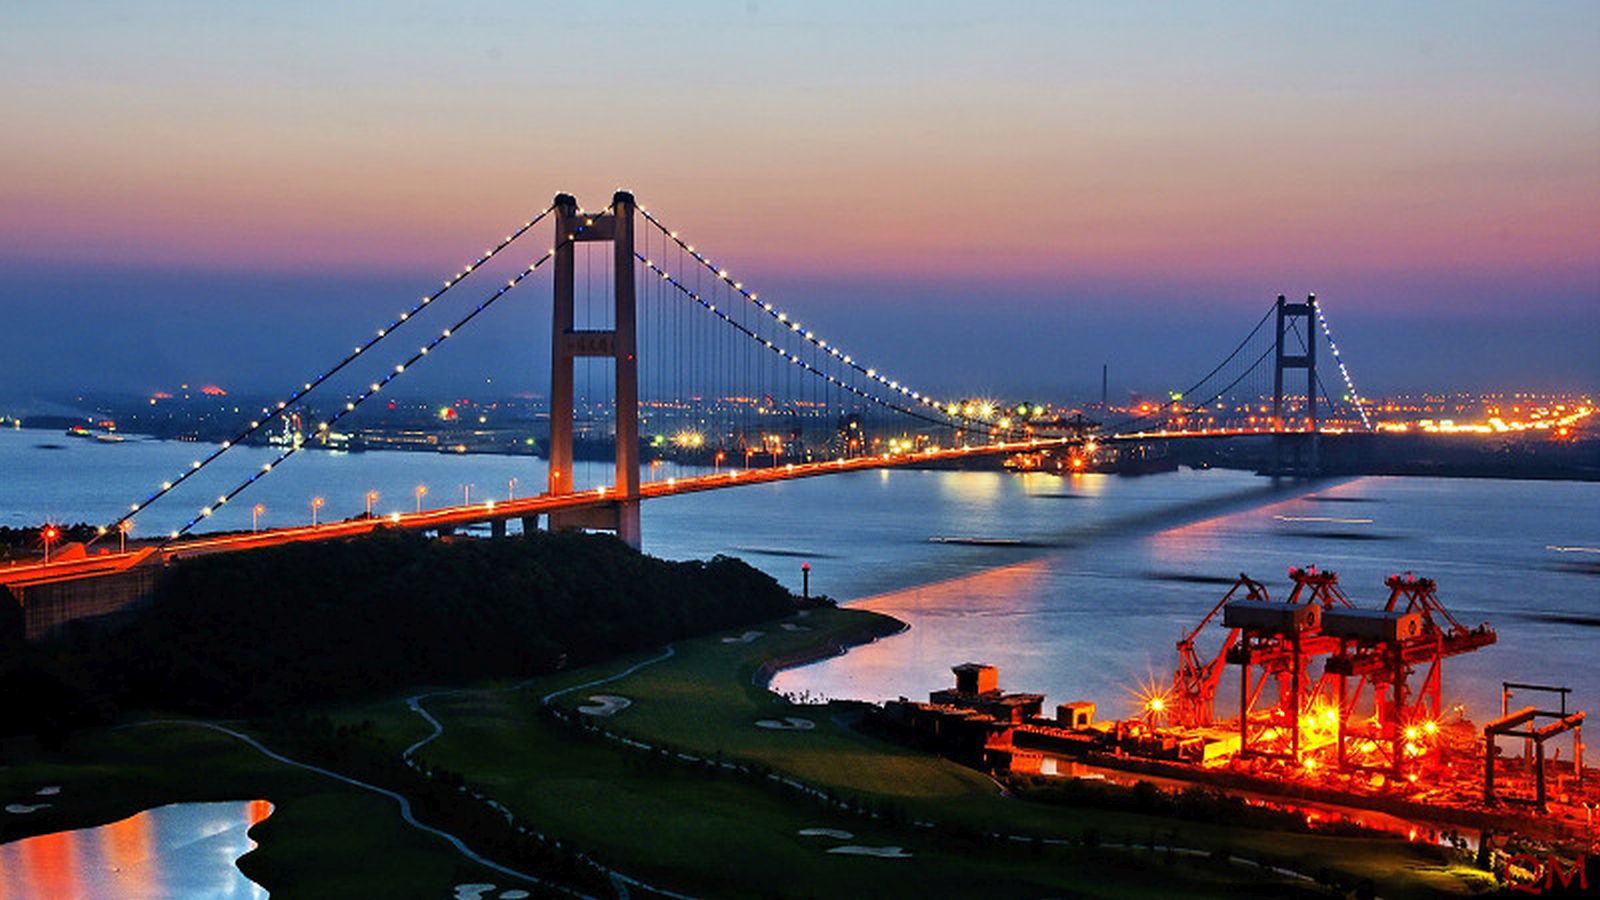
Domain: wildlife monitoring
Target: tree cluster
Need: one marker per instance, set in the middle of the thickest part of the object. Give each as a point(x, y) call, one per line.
point(255, 632)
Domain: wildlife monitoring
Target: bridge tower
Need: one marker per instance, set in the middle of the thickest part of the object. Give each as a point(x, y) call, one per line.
point(620, 342)
point(1296, 452)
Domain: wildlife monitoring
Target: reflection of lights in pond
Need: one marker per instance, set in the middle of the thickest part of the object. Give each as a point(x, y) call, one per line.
point(182, 849)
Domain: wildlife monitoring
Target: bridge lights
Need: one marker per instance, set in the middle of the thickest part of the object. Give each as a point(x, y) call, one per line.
point(255, 517)
point(48, 534)
point(371, 496)
point(422, 490)
point(316, 504)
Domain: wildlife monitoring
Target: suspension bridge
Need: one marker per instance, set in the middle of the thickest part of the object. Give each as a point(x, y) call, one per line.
point(680, 359)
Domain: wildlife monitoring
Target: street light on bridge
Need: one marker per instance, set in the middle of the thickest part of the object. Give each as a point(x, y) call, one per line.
point(371, 496)
point(255, 517)
point(421, 490)
point(122, 536)
point(48, 533)
point(511, 489)
point(466, 495)
point(316, 504)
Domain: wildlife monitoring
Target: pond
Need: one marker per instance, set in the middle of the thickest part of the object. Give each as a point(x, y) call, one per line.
point(183, 850)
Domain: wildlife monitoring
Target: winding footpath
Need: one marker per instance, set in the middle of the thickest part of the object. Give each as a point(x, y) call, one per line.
point(414, 703)
point(405, 805)
point(621, 881)
point(618, 879)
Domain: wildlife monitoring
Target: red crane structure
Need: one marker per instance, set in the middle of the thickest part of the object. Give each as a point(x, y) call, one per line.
point(1315, 715)
point(1192, 700)
point(1277, 638)
point(1381, 649)
point(1282, 640)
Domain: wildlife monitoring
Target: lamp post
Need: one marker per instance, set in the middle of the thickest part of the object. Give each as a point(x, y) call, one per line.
point(122, 536)
point(805, 580)
point(255, 517)
point(511, 489)
point(316, 504)
point(49, 533)
point(466, 495)
point(421, 490)
point(371, 496)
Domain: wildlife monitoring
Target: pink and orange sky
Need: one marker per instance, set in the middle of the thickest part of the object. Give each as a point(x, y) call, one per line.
point(1128, 175)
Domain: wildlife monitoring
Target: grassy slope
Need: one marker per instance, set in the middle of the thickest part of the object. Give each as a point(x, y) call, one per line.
point(723, 837)
point(726, 836)
point(680, 829)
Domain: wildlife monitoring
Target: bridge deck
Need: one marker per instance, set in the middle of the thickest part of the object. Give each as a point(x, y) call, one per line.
point(490, 511)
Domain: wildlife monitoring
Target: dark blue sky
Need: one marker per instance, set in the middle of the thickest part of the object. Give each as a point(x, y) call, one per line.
point(973, 199)
point(141, 331)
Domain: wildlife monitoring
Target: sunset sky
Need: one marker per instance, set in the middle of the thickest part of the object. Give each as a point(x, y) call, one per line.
point(229, 193)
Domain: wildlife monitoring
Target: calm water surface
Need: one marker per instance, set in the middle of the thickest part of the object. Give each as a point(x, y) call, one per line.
point(183, 850)
point(1106, 575)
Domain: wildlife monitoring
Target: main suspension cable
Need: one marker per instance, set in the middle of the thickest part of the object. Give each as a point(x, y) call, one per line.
point(1196, 386)
point(784, 319)
point(352, 405)
point(271, 412)
point(783, 352)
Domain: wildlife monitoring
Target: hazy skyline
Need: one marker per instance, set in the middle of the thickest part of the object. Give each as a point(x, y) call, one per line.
point(234, 194)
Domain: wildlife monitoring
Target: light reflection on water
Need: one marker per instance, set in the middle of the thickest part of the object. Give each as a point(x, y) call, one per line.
point(1137, 562)
point(1109, 574)
point(186, 850)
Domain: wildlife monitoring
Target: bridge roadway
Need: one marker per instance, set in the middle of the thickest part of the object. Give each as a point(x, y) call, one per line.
point(98, 565)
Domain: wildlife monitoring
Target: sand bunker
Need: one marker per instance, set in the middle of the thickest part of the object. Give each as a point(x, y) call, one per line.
point(834, 833)
point(745, 638)
point(790, 626)
point(605, 705)
point(22, 809)
point(790, 723)
point(880, 852)
point(48, 791)
point(481, 891)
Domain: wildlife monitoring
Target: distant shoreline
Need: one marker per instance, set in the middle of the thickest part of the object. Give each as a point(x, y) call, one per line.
point(1194, 457)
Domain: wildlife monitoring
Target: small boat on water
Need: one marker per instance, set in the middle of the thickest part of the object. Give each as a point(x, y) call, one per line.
point(975, 541)
point(95, 434)
point(84, 431)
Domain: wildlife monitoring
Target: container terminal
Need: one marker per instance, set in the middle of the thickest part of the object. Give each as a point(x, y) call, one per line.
point(1326, 703)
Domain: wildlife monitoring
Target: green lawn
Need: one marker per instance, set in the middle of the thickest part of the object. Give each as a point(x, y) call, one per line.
point(684, 827)
point(717, 835)
point(724, 835)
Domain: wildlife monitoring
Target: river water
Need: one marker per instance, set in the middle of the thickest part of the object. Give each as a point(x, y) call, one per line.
point(180, 850)
point(1078, 587)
